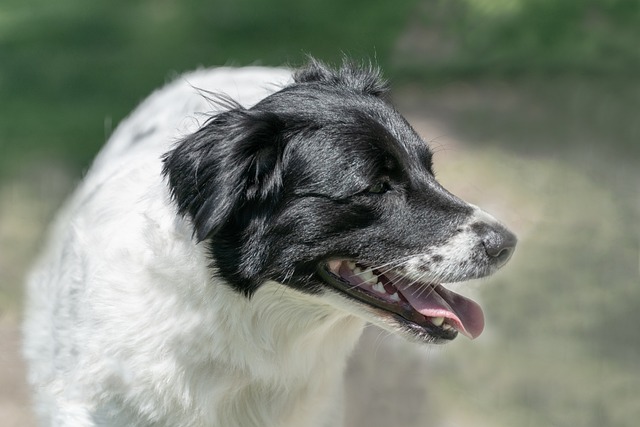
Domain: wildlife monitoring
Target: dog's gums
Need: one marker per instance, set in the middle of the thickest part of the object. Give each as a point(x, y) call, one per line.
point(440, 312)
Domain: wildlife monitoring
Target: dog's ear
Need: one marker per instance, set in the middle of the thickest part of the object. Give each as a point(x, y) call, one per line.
point(232, 161)
point(365, 78)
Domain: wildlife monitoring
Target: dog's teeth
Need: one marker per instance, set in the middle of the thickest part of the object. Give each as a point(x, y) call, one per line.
point(395, 297)
point(357, 270)
point(438, 321)
point(368, 276)
point(351, 265)
point(447, 326)
point(379, 288)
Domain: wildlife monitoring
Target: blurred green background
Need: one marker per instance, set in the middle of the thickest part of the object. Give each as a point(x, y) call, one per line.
point(532, 107)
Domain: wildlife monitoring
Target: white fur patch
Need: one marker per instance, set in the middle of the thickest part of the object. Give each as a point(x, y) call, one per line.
point(125, 325)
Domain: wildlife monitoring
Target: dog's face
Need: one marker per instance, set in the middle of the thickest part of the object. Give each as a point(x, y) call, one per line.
point(324, 187)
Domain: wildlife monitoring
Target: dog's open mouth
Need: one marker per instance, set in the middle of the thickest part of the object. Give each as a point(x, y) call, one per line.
point(430, 306)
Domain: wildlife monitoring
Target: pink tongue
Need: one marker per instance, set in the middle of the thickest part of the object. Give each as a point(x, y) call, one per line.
point(463, 314)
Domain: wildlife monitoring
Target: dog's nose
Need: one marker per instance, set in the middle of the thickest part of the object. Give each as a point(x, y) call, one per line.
point(499, 243)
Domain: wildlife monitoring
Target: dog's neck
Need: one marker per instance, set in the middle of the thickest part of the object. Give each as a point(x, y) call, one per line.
point(276, 358)
point(279, 346)
point(281, 332)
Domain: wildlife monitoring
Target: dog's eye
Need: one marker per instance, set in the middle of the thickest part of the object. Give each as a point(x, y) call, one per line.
point(379, 187)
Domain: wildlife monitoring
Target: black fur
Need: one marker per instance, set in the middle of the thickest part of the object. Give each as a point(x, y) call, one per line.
point(324, 168)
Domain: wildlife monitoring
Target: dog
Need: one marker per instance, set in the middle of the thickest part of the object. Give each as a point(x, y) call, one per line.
point(224, 252)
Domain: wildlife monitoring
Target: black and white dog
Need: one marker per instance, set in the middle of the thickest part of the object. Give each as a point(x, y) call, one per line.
point(220, 259)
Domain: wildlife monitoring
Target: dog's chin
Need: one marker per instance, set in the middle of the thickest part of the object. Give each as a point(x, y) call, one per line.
point(422, 311)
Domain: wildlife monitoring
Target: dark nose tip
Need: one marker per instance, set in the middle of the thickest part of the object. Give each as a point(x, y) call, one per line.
point(499, 243)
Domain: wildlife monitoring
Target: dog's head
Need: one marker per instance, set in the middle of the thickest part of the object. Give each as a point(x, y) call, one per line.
point(324, 187)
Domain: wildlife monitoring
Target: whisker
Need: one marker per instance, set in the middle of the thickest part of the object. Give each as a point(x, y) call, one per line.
point(398, 261)
point(422, 288)
point(391, 265)
point(382, 335)
point(394, 266)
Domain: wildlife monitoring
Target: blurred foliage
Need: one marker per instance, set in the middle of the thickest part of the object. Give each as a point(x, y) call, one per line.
point(70, 70)
point(591, 117)
point(507, 37)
